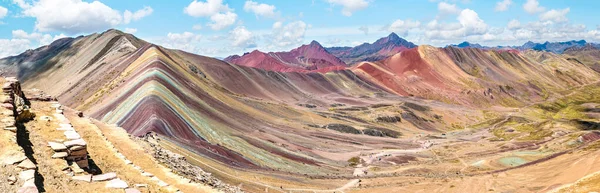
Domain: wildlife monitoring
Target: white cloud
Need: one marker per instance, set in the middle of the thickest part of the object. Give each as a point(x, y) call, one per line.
point(350, 6)
point(41, 39)
point(139, 14)
point(403, 26)
point(446, 8)
point(130, 30)
point(222, 20)
point(471, 22)
point(503, 5)
point(3, 12)
point(186, 41)
point(290, 34)
point(206, 9)
point(555, 15)
point(260, 9)
point(533, 7)
point(364, 29)
point(514, 24)
point(242, 37)
point(9, 47)
point(71, 16)
point(220, 14)
point(197, 27)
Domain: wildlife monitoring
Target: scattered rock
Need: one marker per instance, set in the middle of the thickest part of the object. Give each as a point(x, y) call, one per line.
point(388, 119)
point(14, 159)
point(13, 129)
point(27, 164)
point(26, 175)
point(141, 185)
point(45, 118)
point(86, 178)
point(12, 180)
point(57, 146)
point(79, 114)
point(117, 183)
point(132, 190)
point(147, 174)
point(104, 177)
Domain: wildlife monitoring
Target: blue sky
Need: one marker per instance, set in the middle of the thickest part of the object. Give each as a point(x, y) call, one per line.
point(224, 27)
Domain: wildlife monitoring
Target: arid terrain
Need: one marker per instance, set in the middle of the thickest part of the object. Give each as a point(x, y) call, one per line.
point(398, 118)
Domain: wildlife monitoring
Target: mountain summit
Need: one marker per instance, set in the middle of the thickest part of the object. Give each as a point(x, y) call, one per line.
point(380, 49)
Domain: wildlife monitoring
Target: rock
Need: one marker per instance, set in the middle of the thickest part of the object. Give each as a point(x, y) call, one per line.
point(71, 135)
point(65, 125)
point(104, 177)
point(79, 142)
point(76, 148)
point(117, 183)
point(84, 163)
point(60, 155)
point(57, 146)
point(79, 114)
point(59, 111)
point(78, 152)
point(86, 178)
point(13, 129)
point(7, 106)
point(45, 118)
point(128, 162)
point(141, 185)
point(147, 174)
point(27, 189)
point(65, 129)
point(27, 164)
point(132, 190)
point(56, 106)
point(13, 159)
point(12, 180)
point(26, 175)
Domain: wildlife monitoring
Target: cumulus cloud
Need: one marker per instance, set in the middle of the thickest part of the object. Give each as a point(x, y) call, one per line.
point(446, 8)
point(513, 24)
point(205, 9)
point(403, 26)
point(503, 5)
point(469, 24)
point(130, 30)
point(242, 38)
point(260, 9)
point(128, 16)
point(220, 14)
point(289, 34)
point(533, 7)
point(185, 41)
point(554, 15)
point(3, 12)
point(222, 20)
point(364, 29)
point(70, 16)
point(350, 6)
point(21, 41)
point(10, 47)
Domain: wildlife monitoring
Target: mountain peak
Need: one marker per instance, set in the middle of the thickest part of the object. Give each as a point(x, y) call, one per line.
point(315, 43)
point(393, 36)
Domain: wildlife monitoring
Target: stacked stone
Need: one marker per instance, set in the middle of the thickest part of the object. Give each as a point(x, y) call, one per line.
point(27, 175)
point(8, 103)
point(74, 149)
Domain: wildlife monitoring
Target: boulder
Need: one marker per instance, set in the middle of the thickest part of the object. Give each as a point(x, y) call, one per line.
point(147, 174)
point(57, 146)
point(104, 177)
point(117, 183)
point(76, 148)
point(27, 165)
point(86, 178)
point(79, 114)
point(12, 180)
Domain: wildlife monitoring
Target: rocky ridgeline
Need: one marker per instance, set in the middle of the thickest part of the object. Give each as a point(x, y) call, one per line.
point(180, 166)
point(15, 103)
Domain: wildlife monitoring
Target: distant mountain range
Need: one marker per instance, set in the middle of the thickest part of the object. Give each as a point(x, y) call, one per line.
point(554, 47)
point(379, 50)
point(311, 57)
